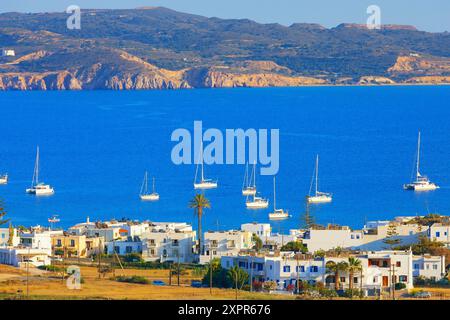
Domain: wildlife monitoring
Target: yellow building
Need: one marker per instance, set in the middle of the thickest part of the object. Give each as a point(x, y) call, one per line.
point(69, 245)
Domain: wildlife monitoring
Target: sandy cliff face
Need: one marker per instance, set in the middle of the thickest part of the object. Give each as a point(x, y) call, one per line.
point(62, 80)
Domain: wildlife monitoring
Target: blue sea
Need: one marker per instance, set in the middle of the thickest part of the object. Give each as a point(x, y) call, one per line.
point(96, 145)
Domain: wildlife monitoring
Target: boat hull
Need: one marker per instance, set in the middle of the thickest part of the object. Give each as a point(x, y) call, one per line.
point(320, 199)
point(205, 185)
point(273, 216)
point(257, 205)
point(4, 180)
point(420, 187)
point(149, 197)
point(41, 190)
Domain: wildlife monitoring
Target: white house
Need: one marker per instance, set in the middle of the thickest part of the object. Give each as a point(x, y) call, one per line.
point(429, 267)
point(380, 269)
point(329, 238)
point(262, 230)
point(166, 241)
point(19, 257)
point(122, 247)
point(441, 233)
point(4, 237)
point(222, 243)
point(8, 53)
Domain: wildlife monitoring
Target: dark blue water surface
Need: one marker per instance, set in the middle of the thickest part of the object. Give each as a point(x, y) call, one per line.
point(96, 145)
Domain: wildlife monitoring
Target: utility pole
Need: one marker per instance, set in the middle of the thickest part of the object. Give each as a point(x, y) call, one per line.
point(393, 282)
point(251, 273)
point(63, 261)
point(298, 275)
point(237, 283)
point(210, 271)
point(28, 271)
point(178, 268)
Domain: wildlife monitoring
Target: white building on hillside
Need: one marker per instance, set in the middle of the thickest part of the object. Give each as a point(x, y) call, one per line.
point(166, 241)
point(4, 237)
point(262, 230)
point(222, 243)
point(20, 256)
point(123, 247)
point(441, 233)
point(429, 267)
point(8, 53)
point(380, 270)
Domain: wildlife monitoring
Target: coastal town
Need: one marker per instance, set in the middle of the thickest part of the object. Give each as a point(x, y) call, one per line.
point(379, 260)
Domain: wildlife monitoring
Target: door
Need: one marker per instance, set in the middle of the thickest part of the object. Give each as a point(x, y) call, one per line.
point(385, 281)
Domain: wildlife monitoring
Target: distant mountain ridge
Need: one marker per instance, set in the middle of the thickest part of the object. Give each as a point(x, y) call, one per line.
point(158, 48)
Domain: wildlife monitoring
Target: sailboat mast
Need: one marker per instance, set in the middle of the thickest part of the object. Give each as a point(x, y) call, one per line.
point(153, 184)
point(37, 167)
point(245, 183)
point(418, 158)
point(201, 152)
point(274, 195)
point(317, 173)
point(254, 174)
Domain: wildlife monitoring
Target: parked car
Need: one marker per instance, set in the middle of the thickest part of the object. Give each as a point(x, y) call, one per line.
point(196, 284)
point(423, 295)
point(158, 283)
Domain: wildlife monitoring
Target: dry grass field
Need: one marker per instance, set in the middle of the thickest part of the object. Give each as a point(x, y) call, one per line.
point(49, 285)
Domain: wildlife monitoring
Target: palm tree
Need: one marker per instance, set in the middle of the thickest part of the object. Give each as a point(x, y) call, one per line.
point(198, 203)
point(354, 265)
point(2, 213)
point(336, 269)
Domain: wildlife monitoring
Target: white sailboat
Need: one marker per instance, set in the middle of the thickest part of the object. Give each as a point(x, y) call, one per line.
point(4, 179)
point(39, 188)
point(257, 203)
point(144, 194)
point(318, 197)
point(249, 185)
point(277, 214)
point(203, 183)
point(422, 183)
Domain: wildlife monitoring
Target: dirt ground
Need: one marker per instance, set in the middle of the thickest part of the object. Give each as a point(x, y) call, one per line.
point(49, 285)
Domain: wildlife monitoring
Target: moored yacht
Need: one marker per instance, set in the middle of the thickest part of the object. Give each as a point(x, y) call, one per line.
point(422, 183)
point(257, 203)
point(277, 214)
point(204, 183)
point(38, 188)
point(144, 194)
point(4, 179)
point(249, 184)
point(318, 197)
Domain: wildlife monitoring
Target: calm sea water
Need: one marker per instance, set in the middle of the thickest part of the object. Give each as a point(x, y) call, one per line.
point(96, 145)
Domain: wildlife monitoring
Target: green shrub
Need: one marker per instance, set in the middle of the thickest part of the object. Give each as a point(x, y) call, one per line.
point(51, 268)
point(400, 286)
point(133, 279)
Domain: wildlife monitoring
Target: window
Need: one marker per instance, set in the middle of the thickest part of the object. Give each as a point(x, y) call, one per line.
point(403, 279)
point(435, 266)
point(58, 243)
point(3, 236)
point(428, 266)
point(355, 280)
point(72, 243)
point(287, 269)
point(438, 234)
point(357, 236)
point(343, 279)
point(117, 249)
point(375, 279)
point(416, 266)
point(352, 236)
point(314, 269)
point(129, 249)
point(398, 264)
point(152, 251)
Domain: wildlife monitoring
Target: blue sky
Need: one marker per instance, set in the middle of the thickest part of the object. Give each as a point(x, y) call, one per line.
point(431, 15)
